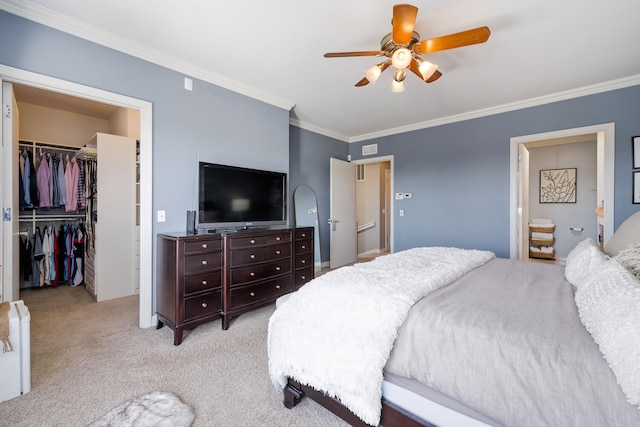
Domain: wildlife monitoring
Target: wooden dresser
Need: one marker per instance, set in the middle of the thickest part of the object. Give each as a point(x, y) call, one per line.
point(189, 281)
point(303, 261)
point(207, 276)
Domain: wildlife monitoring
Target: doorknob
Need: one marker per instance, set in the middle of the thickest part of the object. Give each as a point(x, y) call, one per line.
point(333, 222)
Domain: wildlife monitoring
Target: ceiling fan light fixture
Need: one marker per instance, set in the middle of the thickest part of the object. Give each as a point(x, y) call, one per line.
point(397, 84)
point(426, 68)
point(373, 73)
point(401, 58)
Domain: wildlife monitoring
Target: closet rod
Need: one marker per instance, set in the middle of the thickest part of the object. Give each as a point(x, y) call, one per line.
point(48, 145)
point(52, 218)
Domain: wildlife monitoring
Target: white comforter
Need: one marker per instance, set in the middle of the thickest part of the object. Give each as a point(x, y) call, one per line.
point(336, 333)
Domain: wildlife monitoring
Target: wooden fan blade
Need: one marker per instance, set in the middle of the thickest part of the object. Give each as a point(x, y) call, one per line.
point(435, 76)
point(404, 19)
point(362, 82)
point(463, 38)
point(345, 54)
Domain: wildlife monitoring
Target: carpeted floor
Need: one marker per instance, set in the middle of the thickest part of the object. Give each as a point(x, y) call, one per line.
point(88, 357)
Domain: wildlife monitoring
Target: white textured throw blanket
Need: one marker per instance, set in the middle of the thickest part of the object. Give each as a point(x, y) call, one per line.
point(336, 333)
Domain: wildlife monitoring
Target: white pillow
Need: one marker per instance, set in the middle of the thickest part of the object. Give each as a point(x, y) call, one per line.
point(630, 258)
point(626, 234)
point(609, 307)
point(582, 261)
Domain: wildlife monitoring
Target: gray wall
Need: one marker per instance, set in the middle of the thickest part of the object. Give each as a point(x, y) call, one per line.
point(309, 155)
point(583, 157)
point(459, 173)
point(209, 123)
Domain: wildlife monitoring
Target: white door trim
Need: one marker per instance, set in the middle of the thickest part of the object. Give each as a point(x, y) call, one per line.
point(391, 212)
point(605, 136)
point(28, 78)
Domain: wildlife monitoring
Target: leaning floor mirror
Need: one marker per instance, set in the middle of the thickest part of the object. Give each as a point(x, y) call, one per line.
point(305, 207)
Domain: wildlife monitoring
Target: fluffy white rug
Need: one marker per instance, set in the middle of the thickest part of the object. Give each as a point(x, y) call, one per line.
point(157, 409)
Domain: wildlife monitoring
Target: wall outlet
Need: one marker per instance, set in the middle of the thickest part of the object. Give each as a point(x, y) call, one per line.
point(399, 196)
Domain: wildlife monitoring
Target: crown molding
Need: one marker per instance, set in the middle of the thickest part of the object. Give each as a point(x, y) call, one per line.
point(316, 129)
point(58, 21)
point(519, 105)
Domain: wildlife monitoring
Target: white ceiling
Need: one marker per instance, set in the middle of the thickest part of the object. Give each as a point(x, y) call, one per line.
point(538, 51)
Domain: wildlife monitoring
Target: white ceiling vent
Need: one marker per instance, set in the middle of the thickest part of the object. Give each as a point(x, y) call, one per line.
point(368, 150)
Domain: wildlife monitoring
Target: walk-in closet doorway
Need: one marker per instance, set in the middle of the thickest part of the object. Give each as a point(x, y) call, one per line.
point(29, 87)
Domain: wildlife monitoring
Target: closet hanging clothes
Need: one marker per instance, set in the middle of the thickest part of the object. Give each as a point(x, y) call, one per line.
point(53, 203)
point(51, 256)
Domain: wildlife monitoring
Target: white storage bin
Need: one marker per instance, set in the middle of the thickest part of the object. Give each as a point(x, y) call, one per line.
point(15, 366)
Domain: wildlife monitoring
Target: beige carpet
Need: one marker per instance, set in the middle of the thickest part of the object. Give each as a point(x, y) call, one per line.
point(88, 357)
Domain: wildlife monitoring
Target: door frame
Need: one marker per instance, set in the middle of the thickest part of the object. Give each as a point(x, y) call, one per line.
point(606, 160)
point(28, 78)
point(390, 201)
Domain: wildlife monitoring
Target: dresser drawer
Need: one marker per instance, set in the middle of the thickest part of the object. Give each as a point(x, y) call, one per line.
point(304, 260)
point(304, 234)
point(304, 246)
point(259, 254)
point(269, 289)
point(202, 305)
point(202, 246)
point(202, 282)
point(202, 262)
point(255, 272)
point(269, 239)
point(303, 276)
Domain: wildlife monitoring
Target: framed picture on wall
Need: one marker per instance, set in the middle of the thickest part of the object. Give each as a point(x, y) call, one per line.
point(558, 185)
point(636, 151)
point(636, 187)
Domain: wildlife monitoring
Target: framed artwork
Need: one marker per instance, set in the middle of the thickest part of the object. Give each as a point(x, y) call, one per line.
point(636, 187)
point(558, 185)
point(636, 151)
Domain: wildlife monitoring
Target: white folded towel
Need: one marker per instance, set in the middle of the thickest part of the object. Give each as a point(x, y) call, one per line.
point(546, 249)
point(542, 236)
point(534, 249)
point(541, 221)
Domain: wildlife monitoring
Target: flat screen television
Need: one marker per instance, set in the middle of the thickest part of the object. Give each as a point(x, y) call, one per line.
point(241, 198)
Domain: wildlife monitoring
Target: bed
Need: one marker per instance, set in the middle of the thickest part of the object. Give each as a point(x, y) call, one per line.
point(447, 336)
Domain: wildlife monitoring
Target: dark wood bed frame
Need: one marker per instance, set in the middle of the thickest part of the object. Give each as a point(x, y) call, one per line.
point(392, 416)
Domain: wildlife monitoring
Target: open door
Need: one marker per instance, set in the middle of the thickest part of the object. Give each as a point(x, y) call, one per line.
point(343, 229)
point(9, 246)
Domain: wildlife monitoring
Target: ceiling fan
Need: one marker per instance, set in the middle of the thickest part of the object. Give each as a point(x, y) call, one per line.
point(403, 48)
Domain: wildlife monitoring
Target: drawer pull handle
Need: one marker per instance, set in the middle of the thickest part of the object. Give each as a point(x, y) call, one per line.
point(278, 239)
point(253, 294)
point(278, 268)
point(252, 274)
point(304, 261)
point(277, 286)
point(304, 247)
point(204, 305)
point(253, 242)
point(205, 283)
point(304, 277)
point(204, 262)
point(253, 256)
point(277, 252)
point(304, 234)
point(205, 246)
